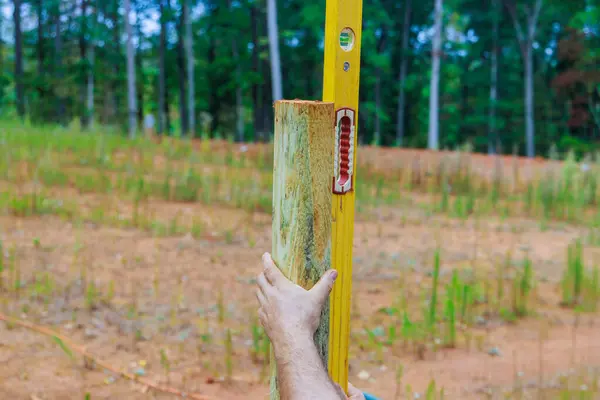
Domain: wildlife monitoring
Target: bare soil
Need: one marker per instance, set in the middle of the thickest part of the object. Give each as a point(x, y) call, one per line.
point(173, 288)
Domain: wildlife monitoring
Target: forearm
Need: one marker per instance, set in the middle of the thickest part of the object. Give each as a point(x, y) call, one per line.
point(301, 373)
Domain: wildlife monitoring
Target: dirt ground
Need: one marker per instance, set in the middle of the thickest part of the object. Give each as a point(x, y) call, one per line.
point(177, 288)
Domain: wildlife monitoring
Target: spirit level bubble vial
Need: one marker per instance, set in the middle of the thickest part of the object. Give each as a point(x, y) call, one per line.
point(344, 151)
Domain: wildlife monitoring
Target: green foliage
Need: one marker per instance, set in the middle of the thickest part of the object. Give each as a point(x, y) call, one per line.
point(66, 349)
point(434, 291)
point(228, 355)
point(579, 287)
point(450, 310)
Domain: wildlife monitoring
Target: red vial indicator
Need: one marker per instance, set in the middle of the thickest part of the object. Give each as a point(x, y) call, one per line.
point(344, 151)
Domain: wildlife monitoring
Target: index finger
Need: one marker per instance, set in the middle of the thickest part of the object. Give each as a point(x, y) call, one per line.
point(272, 273)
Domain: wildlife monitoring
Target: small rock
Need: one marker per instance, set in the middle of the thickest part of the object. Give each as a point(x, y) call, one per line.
point(480, 320)
point(363, 375)
point(378, 331)
point(416, 395)
point(90, 333)
point(184, 334)
point(494, 352)
point(98, 323)
point(383, 368)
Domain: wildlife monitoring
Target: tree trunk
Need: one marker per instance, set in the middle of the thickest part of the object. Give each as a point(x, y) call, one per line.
point(181, 76)
point(526, 39)
point(276, 84)
point(380, 49)
point(90, 87)
point(2, 78)
point(433, 137)
point(213, 100)
point(83, 60)
point(115, 95)
point(239, 100)
point(139, 75)
point(131, 88)
point(41, 55)
point(492, 134)
point(377, 133)
point(162, 127)
point(239, 106)
point(529, 115)
point(400, 123)
point(60, 106)
point(303, 160)
point(256, 85)
point(19, 89)
point(189, 50)
point(267, 109)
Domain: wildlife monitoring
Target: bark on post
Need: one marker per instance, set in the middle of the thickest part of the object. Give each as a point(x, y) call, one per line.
point(302, 183)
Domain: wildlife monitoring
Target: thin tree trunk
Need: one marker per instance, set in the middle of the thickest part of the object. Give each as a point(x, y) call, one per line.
point(2, 79)
point(131, 88)
point(83, 61)
point(239, 106)
point(492, 134)
point(115, 96)
point(433, 137)
point(378, 107)
point(60, 106)
point(526, 39)
point(162, 128)
point(189, 50)
point(239, 100)
point(377, 133)
point(19, 89)
point(529, 115)
point(40, 39)
point(40, 52)
point(139, 75)
point(256, 85)
point(267, 114)
point(402, 75)
point(90, 87)
point(274, 50)
point(213, 100)
point(181, 75)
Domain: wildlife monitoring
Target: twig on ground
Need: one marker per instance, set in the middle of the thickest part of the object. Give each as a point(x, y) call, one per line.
point(81, 350)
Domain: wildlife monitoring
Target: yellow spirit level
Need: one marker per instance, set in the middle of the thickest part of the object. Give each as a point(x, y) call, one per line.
point(343, 25)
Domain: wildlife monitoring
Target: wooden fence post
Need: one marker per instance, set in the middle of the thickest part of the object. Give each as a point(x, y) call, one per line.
point(302, 181)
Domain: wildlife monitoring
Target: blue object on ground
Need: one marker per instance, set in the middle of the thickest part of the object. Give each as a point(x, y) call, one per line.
point(370, 397)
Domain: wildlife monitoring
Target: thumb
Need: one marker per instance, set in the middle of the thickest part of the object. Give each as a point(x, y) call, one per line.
point(354, 393)
point(323, 287)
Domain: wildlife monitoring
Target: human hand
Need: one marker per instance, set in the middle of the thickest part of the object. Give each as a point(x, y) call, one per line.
point(289, 313)
point(354, 393)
